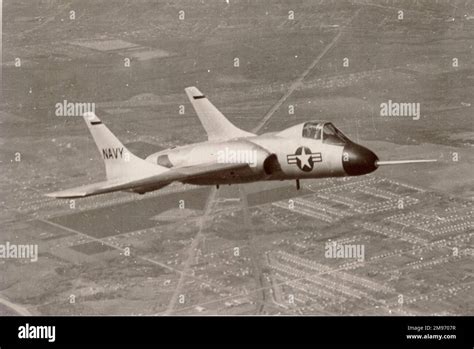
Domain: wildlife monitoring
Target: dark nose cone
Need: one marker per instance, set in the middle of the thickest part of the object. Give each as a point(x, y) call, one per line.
point(358, 160)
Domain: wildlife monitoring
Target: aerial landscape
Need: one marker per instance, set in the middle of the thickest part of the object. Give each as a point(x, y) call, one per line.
point(398, 241)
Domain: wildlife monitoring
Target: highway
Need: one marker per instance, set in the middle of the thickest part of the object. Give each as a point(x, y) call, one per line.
point(256, 263)
point(19, 309)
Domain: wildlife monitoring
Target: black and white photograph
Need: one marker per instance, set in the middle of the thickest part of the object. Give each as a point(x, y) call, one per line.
point(237, 158)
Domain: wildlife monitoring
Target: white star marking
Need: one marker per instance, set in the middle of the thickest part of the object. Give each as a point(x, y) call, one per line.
point(304, 159)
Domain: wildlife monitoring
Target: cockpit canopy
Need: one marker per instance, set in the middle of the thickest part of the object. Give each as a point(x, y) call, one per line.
point(324, 131)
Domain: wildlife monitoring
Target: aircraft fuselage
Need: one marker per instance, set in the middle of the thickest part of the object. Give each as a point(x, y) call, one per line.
point(312, 149)
point(270, 156)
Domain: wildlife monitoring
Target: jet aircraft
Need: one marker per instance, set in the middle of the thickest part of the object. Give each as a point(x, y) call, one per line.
point(313, 149)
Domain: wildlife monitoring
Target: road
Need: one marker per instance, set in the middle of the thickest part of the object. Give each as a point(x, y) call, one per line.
point(254, 253)
point(19, 309)
point(256, 263)
point(297, 83)
point(192, 250)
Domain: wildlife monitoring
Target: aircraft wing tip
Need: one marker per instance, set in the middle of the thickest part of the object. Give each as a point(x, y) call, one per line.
point(64, 195)
point(192, 91)
point(91, 117)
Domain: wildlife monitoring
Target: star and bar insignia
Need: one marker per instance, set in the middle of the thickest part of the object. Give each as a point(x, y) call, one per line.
point(304, 158)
